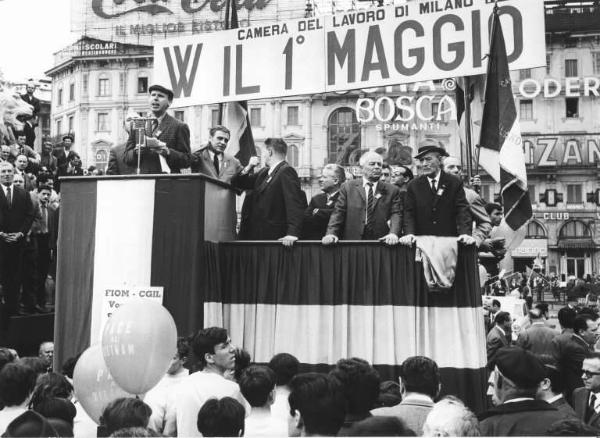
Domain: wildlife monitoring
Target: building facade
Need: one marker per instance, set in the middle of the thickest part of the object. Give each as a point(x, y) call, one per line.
point(96, 83)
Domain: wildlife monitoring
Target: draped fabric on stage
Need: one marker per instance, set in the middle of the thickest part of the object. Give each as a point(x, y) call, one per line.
point(355, 299)
point(319, 303)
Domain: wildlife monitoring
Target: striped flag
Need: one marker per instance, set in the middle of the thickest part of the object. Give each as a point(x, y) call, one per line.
point(241, 143)
point(500, 146)
point(322, 305)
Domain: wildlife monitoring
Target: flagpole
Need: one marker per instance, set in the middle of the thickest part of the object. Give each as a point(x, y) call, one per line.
point(227, 25)
point(468, 141)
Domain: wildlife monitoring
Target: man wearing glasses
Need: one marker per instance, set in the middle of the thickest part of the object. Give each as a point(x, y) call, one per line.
point(586, 400)
point(572, 354)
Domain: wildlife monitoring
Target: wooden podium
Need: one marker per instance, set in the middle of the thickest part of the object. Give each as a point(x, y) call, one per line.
point(141, 230)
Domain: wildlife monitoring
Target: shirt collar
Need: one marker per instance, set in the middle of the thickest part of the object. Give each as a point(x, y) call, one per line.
point(501, 329)
point(274, 166)
point(366, 181)
point(518, 399)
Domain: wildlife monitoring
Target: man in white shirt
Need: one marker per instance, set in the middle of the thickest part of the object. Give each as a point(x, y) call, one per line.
point(17, 382)
point(158, 398)
point(258, 387)
point(216, 355)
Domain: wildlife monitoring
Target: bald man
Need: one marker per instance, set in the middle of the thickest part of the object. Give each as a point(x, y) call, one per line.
point(367, 208)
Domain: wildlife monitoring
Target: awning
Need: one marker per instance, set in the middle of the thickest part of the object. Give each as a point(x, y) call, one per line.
point(586, 243)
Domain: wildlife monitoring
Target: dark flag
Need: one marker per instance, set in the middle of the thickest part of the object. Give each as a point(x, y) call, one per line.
point(241, 143)
point(501, 148)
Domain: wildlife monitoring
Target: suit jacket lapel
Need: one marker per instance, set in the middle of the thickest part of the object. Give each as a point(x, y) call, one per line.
point(209, 163)
point(379, 192)
point(361, 190)
point(162, 127)
point(268, 177)
point(441, 186)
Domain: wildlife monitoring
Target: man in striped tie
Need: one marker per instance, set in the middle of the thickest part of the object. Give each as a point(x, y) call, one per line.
point(367, 208)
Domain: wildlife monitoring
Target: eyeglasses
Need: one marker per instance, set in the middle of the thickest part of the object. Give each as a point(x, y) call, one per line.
point(587, 373)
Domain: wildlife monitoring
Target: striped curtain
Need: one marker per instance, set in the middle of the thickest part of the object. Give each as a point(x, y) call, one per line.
point(357, 299)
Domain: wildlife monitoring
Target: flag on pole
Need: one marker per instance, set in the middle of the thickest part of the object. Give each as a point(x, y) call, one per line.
point(500, 146)
point(241, 143)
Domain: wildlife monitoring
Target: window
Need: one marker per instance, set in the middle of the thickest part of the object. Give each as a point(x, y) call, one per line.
point(531, 190)
point(524, 74)
point(574, 194)
point(574, 229)
point(103, 87)
point(214, 118)
point(59, 126)
point(142, 85)
point(292, 115)
point(343, 137)
point(122, 81)
point(596, 62)
point(255, 117)
point(535, 231)
point(180, 115)
point(572, 107)
point(59, 96)
point(292, 155)
point(570, 68)
point(526, 109)
point(102, 122)
point(71, 123)
point(548, 63)
point(71, 92)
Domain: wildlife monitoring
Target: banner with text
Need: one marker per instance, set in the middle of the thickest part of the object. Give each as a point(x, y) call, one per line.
point(412, 42)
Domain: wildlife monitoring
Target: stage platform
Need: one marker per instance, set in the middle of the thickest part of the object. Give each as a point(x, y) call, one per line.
point(26, 333)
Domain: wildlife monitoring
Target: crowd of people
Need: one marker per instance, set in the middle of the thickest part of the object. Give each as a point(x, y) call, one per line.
point(213, 389)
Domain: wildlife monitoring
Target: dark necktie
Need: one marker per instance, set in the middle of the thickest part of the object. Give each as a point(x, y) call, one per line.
point(370, 205)
point(433, 186)
point(216, 162)
point(8, 197)
point(154, 125)
point(44, 228)
point(591, 408)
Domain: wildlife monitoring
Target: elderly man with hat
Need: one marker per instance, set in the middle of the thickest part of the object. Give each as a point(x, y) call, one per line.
point(167, 142)
point(517, 374)
point(435, 203)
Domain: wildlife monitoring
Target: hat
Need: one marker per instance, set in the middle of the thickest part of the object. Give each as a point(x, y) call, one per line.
point(30, 423)
point(520, 366)
point(430, 145)
point(162, 89)
point(68, 136)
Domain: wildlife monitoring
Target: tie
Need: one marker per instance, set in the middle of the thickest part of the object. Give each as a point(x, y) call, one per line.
point(591, 408)
point(8, 197)
point(370, 205)
point(216, 162)
point(433, 186)
point(44, 229)
point(154, 125)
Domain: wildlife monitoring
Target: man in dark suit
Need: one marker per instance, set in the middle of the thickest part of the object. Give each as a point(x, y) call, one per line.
point(499, 336)
point(517, 374)
point(579, 346)
point(16, 217)
point(30, 124)
point(320, 207)
point(64, 155)
point(365, 206)
point(538, 337)
point(586, 400)
point(167, 148)
point(278, 202)
point(212, 160)
point(551, 388)
point(435, 201)
point(116, 156)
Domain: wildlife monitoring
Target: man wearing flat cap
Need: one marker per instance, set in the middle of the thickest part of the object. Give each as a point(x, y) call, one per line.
point(167, 148)
point(435, 203)
point(517, 373)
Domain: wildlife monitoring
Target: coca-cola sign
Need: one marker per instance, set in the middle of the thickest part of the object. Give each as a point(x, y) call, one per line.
point(142, 22)
point(155, 7)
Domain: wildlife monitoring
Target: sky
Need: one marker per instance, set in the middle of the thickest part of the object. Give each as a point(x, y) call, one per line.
point(31, 32)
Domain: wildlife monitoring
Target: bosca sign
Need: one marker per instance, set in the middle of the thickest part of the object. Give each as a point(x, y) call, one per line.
point(118, 8)
point(395, 44)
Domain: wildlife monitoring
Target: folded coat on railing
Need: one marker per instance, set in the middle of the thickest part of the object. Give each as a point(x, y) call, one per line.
point(438, 256)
